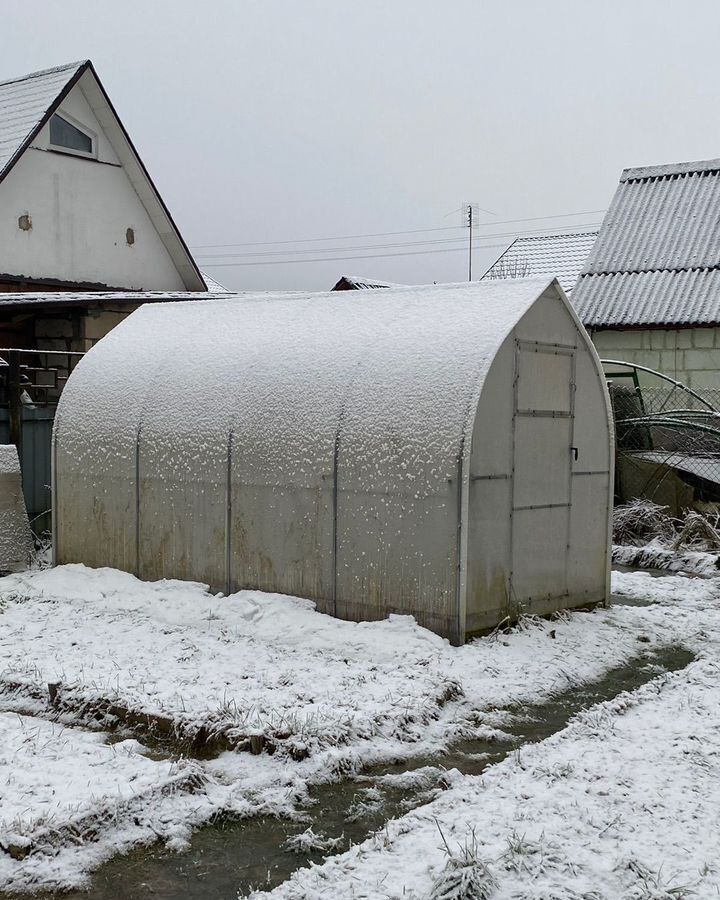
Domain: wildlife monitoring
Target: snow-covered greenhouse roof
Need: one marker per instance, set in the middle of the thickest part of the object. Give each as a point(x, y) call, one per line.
point(404, 362)
point(656, 261)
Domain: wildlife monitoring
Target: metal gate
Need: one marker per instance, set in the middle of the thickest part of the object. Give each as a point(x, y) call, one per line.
point(31, 382)
point(543, 419)
point(35, 460)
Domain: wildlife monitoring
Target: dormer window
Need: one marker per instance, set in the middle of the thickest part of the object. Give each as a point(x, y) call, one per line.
point(70, 137)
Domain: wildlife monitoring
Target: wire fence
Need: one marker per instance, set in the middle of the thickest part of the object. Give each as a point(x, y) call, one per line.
point(667, 443)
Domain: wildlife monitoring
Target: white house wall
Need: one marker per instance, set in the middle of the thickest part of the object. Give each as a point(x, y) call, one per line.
point(690, 355)
point(80, 210)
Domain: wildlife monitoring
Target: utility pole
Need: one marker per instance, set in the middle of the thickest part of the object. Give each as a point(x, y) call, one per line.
point(470, 227)
point(470, 212)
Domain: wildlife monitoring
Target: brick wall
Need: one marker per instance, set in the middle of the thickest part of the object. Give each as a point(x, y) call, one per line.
point(690, 355)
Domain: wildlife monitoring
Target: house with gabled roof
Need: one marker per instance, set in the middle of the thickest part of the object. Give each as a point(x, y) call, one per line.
point(359, 283)
point(649, 291)
point(79, 213)
point(561, 256)
point(83, 229)
point(78, 209)
point(85, 239)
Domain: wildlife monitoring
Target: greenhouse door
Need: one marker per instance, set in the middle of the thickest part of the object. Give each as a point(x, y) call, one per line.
point(542, 472)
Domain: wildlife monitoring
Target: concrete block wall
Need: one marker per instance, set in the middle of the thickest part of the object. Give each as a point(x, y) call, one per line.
point(690, 355)
point(79, 329)
point(75, 330)
point(97, 323)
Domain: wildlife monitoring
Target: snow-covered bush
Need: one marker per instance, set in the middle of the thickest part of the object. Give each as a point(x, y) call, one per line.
point(465, 876)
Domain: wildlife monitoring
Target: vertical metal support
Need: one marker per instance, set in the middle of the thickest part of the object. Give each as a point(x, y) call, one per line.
point(228, 516)
point(461, 559)
point(571, 447)
point(53, 492)
point(610, 493)
point(336, 460)
point(15, 401)
point(137, 501)
point(511, 492)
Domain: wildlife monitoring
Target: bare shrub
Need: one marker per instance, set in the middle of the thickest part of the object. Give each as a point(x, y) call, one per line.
point(641, 521)
point(698, 532)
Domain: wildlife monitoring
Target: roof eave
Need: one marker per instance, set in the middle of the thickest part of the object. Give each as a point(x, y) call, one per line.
point(195, 281)
point(185, 264)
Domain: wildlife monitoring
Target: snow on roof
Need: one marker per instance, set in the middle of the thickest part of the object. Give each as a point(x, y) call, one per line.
point(397, 367)
point(657, 258)
point(212, 285)
point(28, 102)
point(25, 104)
point(560, 255)
point(19, 299)
point(358, 283)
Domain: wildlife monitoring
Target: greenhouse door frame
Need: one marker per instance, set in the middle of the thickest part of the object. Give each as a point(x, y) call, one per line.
point(541, 491)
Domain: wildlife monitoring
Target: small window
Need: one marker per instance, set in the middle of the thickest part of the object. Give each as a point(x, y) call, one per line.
point(68, 136)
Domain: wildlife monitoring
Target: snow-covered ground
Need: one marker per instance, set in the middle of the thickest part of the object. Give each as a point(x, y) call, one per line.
point(657, 555)
point(623, 803)
point(67, 798)
point(328, 697)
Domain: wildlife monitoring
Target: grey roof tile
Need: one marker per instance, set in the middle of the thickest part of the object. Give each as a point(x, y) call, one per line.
point(556, 255)
point(657, 258)
point(24, 103)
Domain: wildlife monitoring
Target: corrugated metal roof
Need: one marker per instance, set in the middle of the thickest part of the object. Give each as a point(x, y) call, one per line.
point(24, 103)
point(657, 258)
point(690, 297)
point(556, 255)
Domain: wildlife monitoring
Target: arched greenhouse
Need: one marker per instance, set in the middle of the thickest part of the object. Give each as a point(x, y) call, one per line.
point(441, 451)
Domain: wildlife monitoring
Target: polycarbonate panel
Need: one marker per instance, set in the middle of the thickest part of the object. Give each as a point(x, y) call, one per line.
point(544, 381)
point(588, 556)
point(542, 460)
point(95, 433)
point(189, 475)
point(592, 419)
point(488, 552)
point(539, 555)
point(397, 549)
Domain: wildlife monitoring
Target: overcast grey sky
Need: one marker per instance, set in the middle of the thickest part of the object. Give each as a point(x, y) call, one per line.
point(273, 120)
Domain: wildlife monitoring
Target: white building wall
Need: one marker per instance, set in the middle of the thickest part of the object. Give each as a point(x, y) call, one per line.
point(80, 210)
point(690, 355)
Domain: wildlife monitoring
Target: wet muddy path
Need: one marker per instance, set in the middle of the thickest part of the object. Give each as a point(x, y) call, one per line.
point(232, 857)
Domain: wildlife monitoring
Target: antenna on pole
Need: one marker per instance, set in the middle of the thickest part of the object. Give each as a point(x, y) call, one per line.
point(470, 214)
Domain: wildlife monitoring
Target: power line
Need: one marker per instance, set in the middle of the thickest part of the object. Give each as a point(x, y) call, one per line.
point(345, 237)
point(285, 262)
point(388, 246)
point(384, 246)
